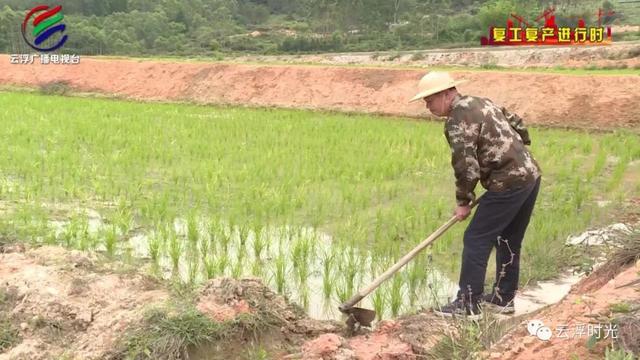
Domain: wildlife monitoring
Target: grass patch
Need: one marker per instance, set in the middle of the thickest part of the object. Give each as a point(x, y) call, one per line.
point(625, 252)
point(466, 339)
point(256, 353)
point(9, 334)
point(171, 332)
point(621, 307)
point(629, 332)
point(613, 353)
point(490, 66)
point(168, 334)
point(55, 88)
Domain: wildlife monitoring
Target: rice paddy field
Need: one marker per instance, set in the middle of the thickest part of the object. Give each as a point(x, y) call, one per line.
point(315, 204)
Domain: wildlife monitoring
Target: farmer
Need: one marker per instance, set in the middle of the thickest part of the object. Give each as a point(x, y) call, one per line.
point(487, 145)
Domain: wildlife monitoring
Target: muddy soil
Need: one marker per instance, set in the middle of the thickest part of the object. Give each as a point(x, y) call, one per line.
point(63, 304)
point(56, 303)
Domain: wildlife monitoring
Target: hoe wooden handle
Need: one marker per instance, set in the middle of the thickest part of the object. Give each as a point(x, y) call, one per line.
point(403, 261)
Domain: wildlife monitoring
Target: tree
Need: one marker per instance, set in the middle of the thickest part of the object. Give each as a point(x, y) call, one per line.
point(396, 9)
point(253, 14)
point(497, 12)
point(282, 6)
point(9, 27)
point(142, 5)
point(117, 6)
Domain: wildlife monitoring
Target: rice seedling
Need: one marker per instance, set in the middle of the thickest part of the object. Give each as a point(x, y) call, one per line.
point(416, 274)
point(309, 247)
point(225, 239)
point(70, 234)
point(221, 264)
point(618, 172)
point(193, 266)
point(303, 274)
point(259, 240)
point(209, 264)
point(243, 235)
point(236, 272)
point(213, 230)
point(257, 269)
point(124, 220)
point(598, 164)
point(153, 243)
point(192, 229)
point(327, 278)
point(299, 259)
point(350, 270)
point(396, 295)
point(84, 239)
point(378, 301)
point(204, 247)
point(175, 250)
point(110, 240)
point(343, 291)
point(280, 272)
point(50, 238)
point(303, 296)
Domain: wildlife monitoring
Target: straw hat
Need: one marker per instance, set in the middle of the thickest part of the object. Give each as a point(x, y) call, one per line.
point(434, 82)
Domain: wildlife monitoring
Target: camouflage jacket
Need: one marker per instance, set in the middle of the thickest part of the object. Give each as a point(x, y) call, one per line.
point(487, 144)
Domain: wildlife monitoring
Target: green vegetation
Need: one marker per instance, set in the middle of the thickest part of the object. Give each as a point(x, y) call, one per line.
point(214, 28)
point(626, 251)
point(613, 353)
point(170, 332)
point(621, 307)
point(9, 334)
point(463, 338)
point(311, 202)
point(169, 335)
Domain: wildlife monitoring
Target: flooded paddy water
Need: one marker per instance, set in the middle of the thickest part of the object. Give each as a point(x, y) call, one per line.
point(302, 263)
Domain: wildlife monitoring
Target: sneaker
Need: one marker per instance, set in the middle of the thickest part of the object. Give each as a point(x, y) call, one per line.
point(492, 303)
point(460, 307)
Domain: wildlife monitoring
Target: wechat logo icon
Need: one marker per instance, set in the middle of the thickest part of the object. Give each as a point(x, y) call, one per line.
point(536, 328)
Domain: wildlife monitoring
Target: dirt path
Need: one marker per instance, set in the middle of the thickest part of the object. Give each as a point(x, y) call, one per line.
point(547, 99)
point(575, 319)
point(618, 54)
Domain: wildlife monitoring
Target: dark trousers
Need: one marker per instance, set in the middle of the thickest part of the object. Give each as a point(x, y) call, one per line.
point(500, 221)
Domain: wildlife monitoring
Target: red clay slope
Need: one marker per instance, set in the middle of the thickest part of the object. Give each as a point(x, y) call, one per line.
point(596, 101)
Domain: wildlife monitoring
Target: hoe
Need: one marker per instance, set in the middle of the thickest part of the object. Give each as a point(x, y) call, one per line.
point(364, 317)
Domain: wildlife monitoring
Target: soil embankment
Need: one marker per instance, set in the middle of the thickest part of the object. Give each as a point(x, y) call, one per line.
point(599, 101)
